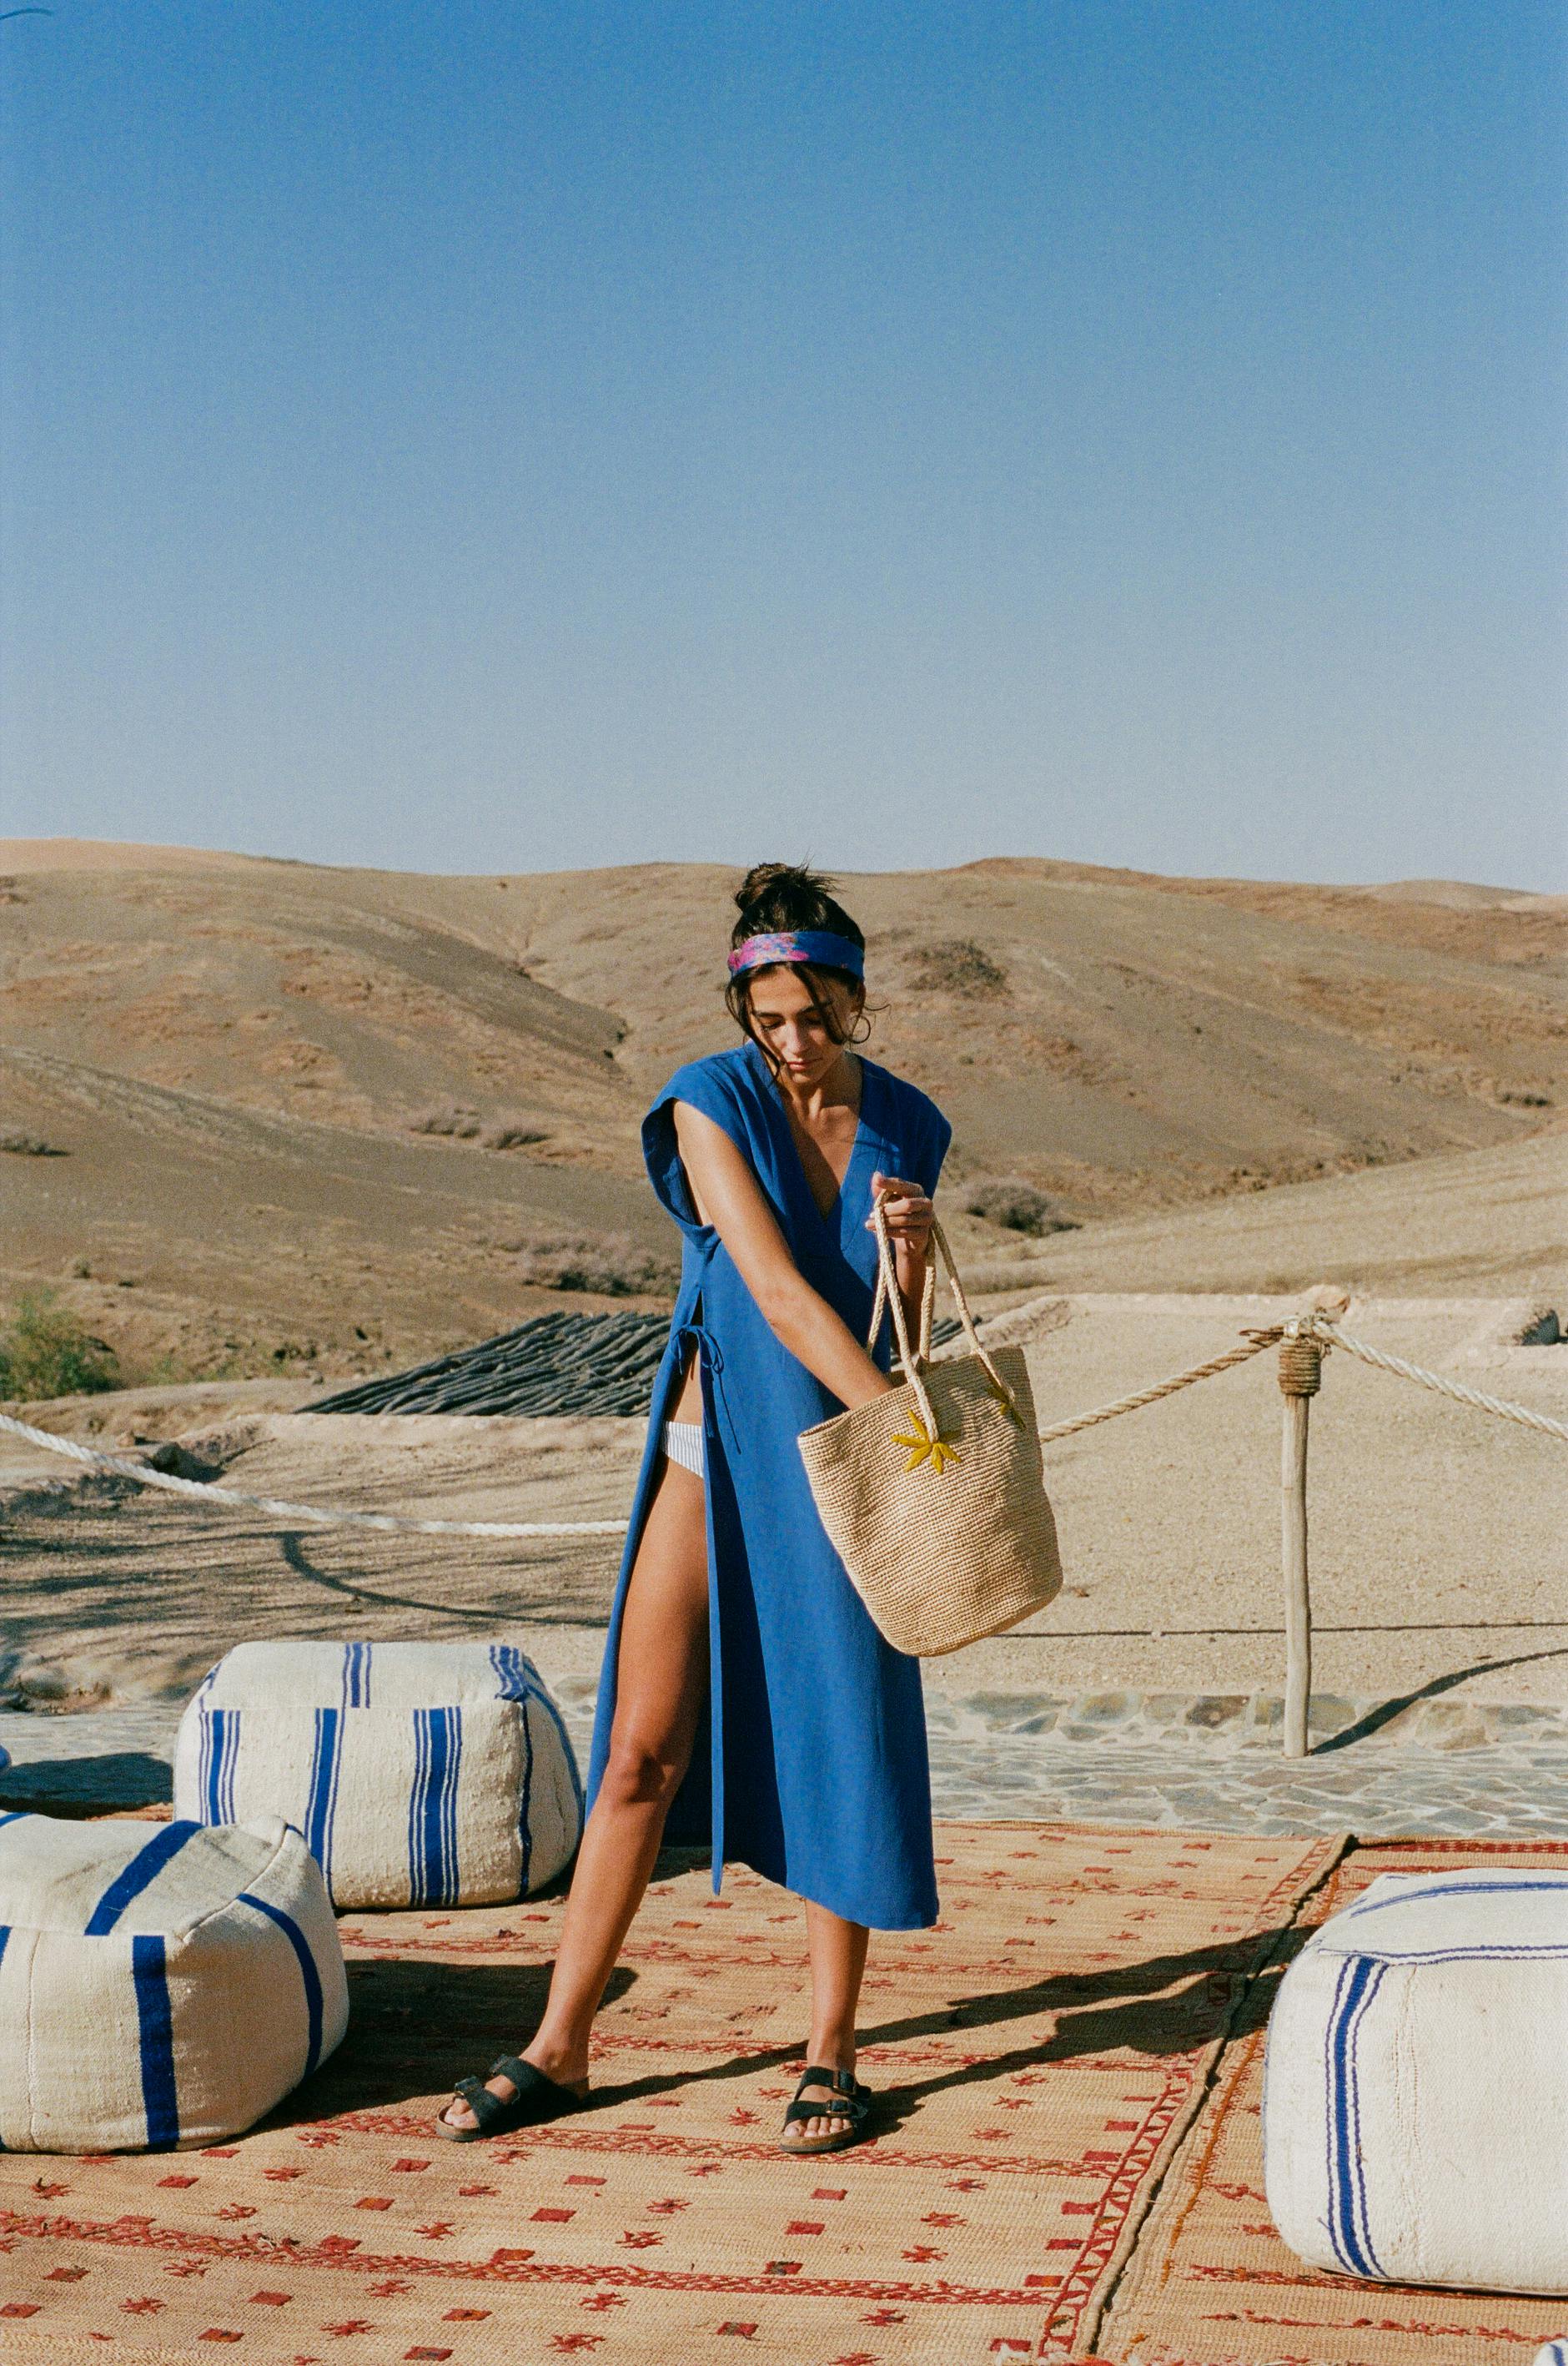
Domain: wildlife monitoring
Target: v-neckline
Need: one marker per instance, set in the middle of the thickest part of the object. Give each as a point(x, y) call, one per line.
point(831, 1218)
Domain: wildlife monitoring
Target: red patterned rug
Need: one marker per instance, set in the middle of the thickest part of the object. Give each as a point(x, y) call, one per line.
point(1210, 2283)
point(1039, 2055)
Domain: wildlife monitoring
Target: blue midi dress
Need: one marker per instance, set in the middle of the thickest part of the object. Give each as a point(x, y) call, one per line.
point(812, 1767)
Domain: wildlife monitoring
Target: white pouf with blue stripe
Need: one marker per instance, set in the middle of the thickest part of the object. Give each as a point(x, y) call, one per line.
point(160, 1984)
point(419, 1773)
point(1416, 2096)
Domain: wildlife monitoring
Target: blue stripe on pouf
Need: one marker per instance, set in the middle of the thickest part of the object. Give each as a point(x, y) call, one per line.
point(512, 1677)
point(356, 1676)
point(307, 1971)
point(158, 2096)
point(1348, 2229)
point(322, 1801)
point(219, 1753)
point(1501, 1951)
point(1456, 1890)
point(517, 1684)
point(525, 1820)
point(511, 1671)
point(449, 1807)
point(559, 1722)
point(432, 1807)
point(133, 1879)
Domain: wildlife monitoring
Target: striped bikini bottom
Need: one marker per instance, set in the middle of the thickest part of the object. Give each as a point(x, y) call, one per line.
point(683, 1444)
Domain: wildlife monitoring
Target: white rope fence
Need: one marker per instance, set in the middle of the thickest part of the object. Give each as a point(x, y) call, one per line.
point(1302, 1342)
point(1312, 1326)
point(393, 1524)
point(388, 1523)
point(1319, 1327)
point(1256, 1343)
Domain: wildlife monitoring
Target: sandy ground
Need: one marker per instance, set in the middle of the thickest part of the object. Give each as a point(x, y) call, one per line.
point(1437, 1533)
point(1480, 1221)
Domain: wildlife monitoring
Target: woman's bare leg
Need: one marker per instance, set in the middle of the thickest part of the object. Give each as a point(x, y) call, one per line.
point(661, 1677)
point(837, 1951)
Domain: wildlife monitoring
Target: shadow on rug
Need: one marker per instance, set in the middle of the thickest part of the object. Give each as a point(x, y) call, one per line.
point(1039, 2054)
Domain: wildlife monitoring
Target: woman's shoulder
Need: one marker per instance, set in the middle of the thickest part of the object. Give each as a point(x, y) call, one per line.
point(712, 1085)
point(717, 1077)
point(916, 1109)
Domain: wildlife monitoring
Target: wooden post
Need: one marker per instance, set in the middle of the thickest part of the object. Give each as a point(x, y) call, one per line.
point(1300, 1376)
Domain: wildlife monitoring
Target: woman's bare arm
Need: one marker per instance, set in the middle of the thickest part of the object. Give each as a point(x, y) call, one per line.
point(728, 1196)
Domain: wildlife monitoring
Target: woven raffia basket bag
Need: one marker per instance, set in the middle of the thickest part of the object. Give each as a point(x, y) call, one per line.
point(933, 1495)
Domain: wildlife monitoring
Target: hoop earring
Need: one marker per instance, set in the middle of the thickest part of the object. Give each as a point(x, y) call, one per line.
point(861, 1031)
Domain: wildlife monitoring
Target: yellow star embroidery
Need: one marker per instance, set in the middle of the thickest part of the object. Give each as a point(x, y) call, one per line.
point(924, 1449)
point(992, 1389)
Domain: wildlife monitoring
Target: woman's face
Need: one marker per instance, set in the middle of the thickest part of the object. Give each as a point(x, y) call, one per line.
point(790, 1022)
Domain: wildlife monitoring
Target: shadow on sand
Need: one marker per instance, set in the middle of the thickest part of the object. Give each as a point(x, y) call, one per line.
point(114, 1783)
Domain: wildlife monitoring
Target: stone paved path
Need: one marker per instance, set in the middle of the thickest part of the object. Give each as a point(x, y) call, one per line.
point(985, 1766)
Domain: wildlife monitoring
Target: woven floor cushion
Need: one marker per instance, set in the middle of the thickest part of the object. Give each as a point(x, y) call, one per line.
point(419, 1773)
point(1415, 2095)
point(160, 1984)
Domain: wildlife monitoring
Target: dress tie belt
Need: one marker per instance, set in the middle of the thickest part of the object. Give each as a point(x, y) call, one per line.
point(713, 1359)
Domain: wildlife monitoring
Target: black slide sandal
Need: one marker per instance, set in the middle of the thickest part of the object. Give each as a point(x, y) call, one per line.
point(850, 2100)
point(537, 2099)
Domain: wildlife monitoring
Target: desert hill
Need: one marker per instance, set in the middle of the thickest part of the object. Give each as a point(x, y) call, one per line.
point(242, 1059)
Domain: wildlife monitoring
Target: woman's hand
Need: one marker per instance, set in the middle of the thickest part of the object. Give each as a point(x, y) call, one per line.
point(910, 1216)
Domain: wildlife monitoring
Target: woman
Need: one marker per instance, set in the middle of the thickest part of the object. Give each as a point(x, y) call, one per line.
point(747, 1697)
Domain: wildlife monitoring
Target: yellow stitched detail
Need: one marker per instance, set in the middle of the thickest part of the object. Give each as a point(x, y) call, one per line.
point(926, 1448)
point(995, 1389)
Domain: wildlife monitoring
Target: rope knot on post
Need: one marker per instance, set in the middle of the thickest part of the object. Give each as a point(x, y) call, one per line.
point(1301, 1364)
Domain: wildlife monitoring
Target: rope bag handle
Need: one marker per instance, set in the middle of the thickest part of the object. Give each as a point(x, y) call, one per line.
point(887, 1294)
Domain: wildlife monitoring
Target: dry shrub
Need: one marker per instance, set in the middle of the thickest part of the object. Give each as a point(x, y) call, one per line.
point(1009, 1201)
point(46, 1352)
point(451, 1118)
point(460, 1123)
point(30, 1146)
point(513, 1134)
point(611, 1264)
point(959, 966)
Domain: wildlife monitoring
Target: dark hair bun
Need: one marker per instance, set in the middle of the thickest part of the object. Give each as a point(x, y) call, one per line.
point(786, 896)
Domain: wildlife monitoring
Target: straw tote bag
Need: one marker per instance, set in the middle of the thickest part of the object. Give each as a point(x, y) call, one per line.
point(933, 1495)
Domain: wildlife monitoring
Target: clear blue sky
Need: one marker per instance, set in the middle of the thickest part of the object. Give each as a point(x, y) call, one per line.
point(478, 435)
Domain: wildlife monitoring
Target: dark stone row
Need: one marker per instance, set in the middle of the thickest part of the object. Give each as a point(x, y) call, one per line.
point(555, 1364)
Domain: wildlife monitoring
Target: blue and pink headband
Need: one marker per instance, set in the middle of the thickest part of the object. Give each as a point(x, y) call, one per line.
point(816, 946)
